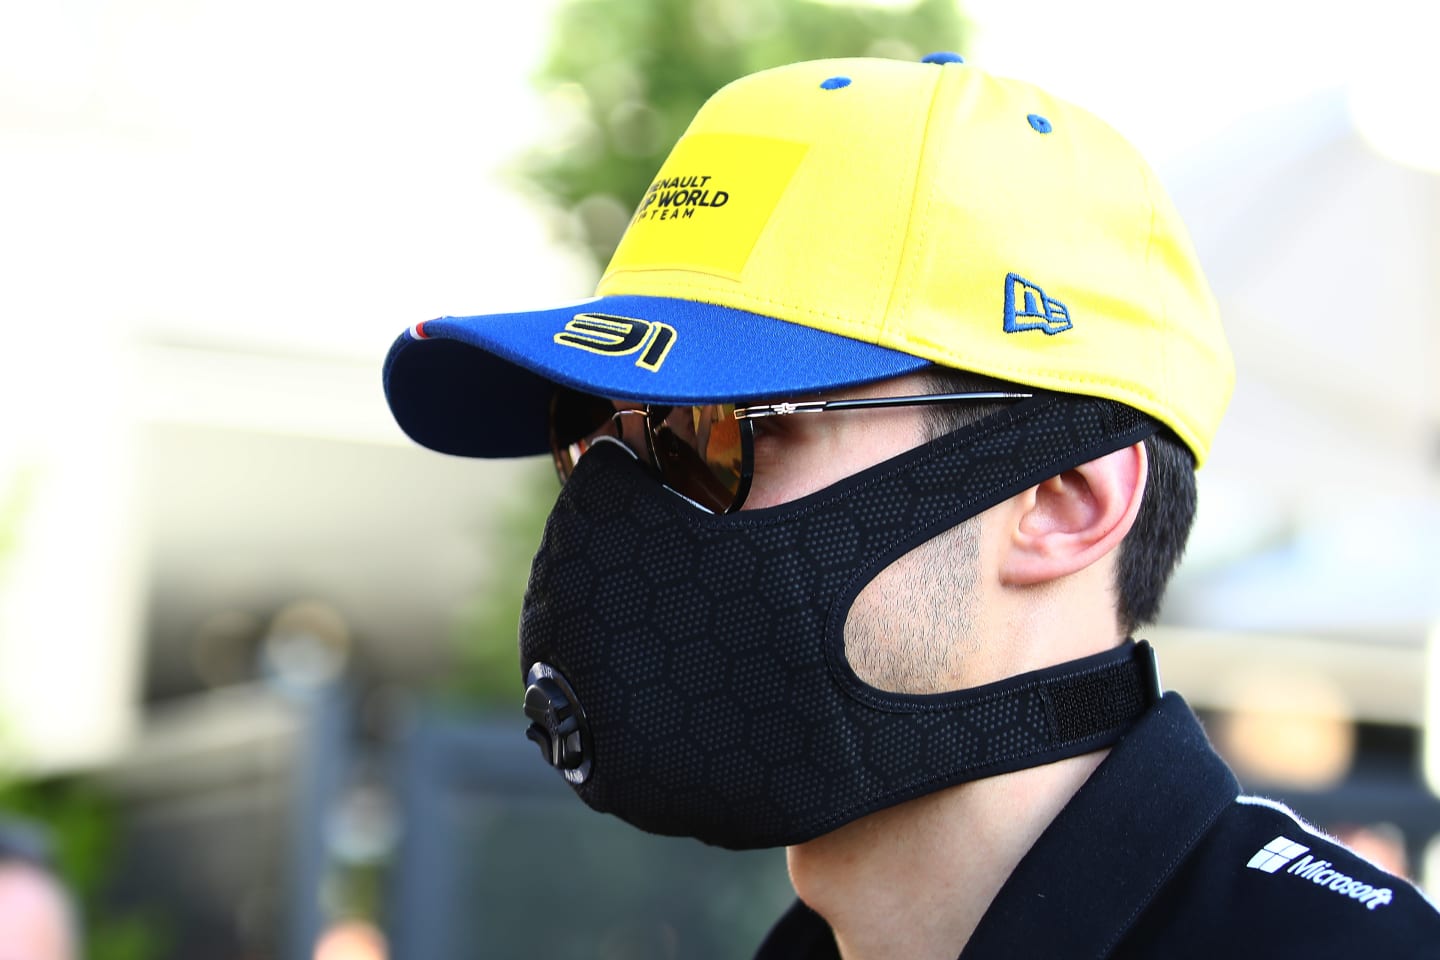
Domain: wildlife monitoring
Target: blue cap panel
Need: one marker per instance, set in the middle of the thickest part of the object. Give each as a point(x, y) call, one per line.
point(480, 386)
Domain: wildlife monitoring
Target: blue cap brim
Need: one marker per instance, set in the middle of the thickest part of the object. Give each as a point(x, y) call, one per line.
point(481, 386)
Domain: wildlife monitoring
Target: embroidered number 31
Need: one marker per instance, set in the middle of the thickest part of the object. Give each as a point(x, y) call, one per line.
point(619, 336)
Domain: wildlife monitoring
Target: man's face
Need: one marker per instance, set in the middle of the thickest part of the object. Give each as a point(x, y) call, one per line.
point(911, 627)
point(648, 622)
point(34, 920)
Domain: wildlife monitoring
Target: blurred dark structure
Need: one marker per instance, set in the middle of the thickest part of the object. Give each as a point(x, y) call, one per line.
point(501, 860)
point(1382, 793)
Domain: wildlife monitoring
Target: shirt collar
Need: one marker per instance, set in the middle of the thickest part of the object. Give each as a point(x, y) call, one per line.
point(1100, 862)
point(1097, 865)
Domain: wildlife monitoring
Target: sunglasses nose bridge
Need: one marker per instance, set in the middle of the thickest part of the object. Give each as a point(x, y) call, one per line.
point(632, 427)
point(578, 422)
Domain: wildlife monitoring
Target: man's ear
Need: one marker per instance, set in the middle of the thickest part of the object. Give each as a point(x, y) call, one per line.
point(1072, 520)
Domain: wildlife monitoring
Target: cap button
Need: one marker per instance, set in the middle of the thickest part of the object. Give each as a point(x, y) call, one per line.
point(1039, 123)
point(942, 57)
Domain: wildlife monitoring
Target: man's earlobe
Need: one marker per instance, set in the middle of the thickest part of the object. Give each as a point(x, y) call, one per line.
point(1072, 520)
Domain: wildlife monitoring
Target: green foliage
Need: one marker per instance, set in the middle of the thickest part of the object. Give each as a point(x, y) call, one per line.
point(626, 76)
point(79, 820)
point(81, 823)
point(488, 664)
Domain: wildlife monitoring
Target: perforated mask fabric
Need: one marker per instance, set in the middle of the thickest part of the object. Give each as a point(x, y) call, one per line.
point(706, 652)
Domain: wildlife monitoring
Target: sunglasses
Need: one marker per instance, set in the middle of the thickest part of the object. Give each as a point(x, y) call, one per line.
point(704, 453)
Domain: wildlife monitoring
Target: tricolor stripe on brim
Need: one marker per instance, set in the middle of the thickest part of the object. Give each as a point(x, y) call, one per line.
point(481, 386)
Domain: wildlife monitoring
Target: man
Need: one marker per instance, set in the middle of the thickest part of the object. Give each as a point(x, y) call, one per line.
point(36, 917)
point(877, 444)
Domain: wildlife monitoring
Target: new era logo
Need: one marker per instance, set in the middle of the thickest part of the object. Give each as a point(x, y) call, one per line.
point(1027, 308)
point(1276, 854)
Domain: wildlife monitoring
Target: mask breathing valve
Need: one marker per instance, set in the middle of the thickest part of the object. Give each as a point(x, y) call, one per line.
point(557, 722)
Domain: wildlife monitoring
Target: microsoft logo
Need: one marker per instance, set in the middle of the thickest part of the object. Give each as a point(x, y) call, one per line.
point(1276, 854)
point(1282, 850)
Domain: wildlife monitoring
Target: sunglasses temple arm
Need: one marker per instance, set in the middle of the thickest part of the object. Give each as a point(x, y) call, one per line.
point(819, 406)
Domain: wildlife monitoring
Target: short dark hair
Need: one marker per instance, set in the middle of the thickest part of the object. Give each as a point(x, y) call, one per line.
point(1152, 549)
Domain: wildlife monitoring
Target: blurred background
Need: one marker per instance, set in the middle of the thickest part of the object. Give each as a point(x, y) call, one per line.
point(258, 688)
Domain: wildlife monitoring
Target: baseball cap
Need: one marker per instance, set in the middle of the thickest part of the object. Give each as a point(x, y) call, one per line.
point(837, 222)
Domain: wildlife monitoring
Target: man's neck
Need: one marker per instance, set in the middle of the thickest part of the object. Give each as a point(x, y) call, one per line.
point(914, 880)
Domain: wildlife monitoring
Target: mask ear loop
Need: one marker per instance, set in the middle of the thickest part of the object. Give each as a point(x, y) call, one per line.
point(1094, 427)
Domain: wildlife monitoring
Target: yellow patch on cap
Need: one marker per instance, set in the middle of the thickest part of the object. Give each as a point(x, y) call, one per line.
point(708, 204)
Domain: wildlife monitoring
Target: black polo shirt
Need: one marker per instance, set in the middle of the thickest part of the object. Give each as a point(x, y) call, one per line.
point(1159, 856)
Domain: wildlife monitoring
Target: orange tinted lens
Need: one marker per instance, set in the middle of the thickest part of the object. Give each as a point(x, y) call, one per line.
point(699, 453)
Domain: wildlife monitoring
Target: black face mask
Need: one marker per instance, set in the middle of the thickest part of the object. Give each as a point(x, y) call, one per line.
point(687, 673)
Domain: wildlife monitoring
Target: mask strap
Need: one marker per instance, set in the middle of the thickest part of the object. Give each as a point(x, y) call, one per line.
point(1094, 703)
point(1086, 705)
point(956, 477)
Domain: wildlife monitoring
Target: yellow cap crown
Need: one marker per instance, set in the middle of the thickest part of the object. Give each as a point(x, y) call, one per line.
point(929, 208)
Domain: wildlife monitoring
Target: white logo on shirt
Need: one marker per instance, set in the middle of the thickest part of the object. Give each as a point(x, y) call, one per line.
point(1282, 850)
point(1276, 854)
